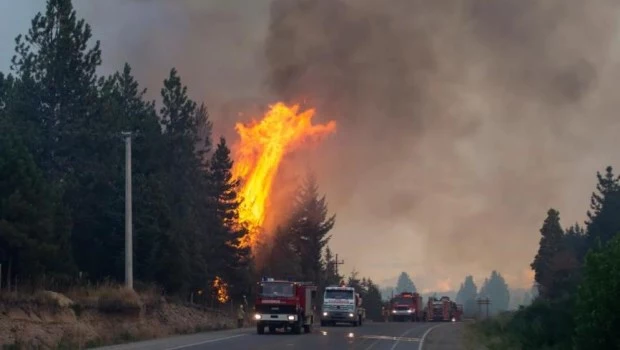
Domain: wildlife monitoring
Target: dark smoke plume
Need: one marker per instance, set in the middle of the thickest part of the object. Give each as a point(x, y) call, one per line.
point(459, 121)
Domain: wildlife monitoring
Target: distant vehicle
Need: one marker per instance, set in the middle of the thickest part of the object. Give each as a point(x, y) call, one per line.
point(407, 306)
point(285, 304)
point(443, 309)
point(341, 304)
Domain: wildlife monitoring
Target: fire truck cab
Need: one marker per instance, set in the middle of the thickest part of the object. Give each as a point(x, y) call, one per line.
point(284, 304)
point(443, 309)
point(406, 306)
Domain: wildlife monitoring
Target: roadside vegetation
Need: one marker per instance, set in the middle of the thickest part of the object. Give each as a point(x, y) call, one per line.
point(62, 197)
point(578, 282)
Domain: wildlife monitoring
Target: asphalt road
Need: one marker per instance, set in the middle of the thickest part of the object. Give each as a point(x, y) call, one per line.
point(370, 336)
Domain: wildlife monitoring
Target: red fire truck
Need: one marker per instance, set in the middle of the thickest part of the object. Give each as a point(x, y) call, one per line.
point(285, 304)
point(406, 306)
point(443, 309)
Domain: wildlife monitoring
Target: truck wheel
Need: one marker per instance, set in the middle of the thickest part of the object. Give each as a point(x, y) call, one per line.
point(307, 328)
point(260, 328)
point(360, 321)
point(323, 323)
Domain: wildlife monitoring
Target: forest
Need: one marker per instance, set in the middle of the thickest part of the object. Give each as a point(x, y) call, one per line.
point(577, 278)
point(62, 188)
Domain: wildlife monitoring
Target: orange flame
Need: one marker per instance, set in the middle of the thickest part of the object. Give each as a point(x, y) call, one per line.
point(260, 150)
point(221, 289)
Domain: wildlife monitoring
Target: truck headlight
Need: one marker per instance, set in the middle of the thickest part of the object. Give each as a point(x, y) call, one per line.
point(409, 311)
point(257, 317)
point(325, 314)
point(351, 315)
point(393, 311)
point(291, 318)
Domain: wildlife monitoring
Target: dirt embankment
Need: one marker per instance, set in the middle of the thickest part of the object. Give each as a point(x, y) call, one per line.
point(49, 320)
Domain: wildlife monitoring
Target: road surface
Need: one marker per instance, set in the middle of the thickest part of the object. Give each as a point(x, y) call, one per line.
point(370, 336)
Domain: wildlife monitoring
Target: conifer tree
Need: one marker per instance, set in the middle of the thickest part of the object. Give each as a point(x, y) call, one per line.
point(550, 243)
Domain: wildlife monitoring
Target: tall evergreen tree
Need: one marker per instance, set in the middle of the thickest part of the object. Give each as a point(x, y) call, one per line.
point(496, 289)
point(603, 220)
point(467, 295)
point(34, 230)
point(405, 284)
point(310, 225)
point(229, 235)
point(550, 243)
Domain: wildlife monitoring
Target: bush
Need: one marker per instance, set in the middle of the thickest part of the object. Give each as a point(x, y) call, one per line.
point(542, 325)
point(119, 300)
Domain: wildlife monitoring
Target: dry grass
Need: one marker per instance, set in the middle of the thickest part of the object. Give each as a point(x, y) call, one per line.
point(98, 315)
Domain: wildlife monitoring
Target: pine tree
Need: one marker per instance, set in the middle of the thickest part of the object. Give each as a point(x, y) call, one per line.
point(467, 295)
point(496, 289)
point(310, 225)
point(550, 243)
point(603, 220)
point(34, 231)
point(230, 234)
point(182, 265)
point(54, 61)
point(405, 284)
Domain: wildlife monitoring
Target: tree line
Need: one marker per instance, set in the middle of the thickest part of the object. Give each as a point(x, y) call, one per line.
point(577, 274)
point(62, 164)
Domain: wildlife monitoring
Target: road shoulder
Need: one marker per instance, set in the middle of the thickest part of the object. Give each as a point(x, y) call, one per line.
point(180, 341)
point(448, 336)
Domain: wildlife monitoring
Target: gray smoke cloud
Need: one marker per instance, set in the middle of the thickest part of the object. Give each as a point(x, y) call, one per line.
point(459, 122)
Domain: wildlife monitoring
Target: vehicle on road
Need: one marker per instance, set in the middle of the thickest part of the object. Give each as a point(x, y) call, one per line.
point(342, 304)
point(285, 305)
point(406, 306)
point(443, 310)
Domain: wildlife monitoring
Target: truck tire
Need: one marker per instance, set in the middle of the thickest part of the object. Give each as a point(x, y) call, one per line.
point(323, 324)
point(360, 320)
point(307, 328)
point(260, 328)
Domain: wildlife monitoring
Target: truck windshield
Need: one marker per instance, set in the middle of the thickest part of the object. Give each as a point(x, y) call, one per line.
point(338, 294)
point(403, 301)
point(277, 289)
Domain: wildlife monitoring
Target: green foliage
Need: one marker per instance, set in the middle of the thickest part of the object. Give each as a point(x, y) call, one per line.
point(542, 265)
point(302, 241)
point(543, 325)
point(496, 289)
point(603, 219)
point(62, 189)
point(405, 284)
point(598, 306)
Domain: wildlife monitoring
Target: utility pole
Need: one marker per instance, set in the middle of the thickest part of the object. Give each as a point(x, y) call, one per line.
point(486, 301)
point(128, 214)
point(336, 263)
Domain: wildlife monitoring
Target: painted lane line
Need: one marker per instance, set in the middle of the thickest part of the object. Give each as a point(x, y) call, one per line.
point(401, 336)
point(427, 333)
point(206, 342)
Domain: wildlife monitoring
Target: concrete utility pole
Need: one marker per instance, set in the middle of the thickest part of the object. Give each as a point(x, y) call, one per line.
point(128, 214)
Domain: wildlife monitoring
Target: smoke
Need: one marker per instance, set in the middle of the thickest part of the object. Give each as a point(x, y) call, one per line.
point(459, 122)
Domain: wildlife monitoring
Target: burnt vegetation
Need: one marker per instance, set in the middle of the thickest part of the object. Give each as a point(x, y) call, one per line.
point(62, 164)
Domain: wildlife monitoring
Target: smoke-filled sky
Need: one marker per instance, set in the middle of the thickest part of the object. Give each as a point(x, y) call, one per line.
point(460, 122)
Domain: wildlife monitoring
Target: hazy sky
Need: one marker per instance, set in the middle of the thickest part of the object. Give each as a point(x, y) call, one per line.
point(459, 122)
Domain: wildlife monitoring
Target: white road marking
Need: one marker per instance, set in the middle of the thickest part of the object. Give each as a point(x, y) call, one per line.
point(206, 342)
point(427, 332)
point(401, 336)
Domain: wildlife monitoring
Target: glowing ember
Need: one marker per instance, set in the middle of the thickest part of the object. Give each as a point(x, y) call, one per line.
point(261, 148)
point(221, 289)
